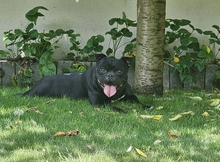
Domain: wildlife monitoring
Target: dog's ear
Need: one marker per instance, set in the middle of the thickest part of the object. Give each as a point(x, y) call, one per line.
point(99, 56)
point(127, 60)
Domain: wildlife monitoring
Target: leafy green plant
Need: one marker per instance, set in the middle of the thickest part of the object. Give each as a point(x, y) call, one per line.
point(118, 32)
point(188, 54)
point(93, 44)
point(120, 36)
point(31, 43)
point(75, 67)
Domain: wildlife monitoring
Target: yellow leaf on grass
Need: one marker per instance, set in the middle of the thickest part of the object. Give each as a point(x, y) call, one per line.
point(205, 114)
point(157, 117)
point(157, 142)
point(215, 102)
point(172, 135)
point(146, 116)
point(196, 98)
point(35, 109)
point(188, 112)
point(71, 133)
point(60, 134)
point(140, 152)
point(176, 117)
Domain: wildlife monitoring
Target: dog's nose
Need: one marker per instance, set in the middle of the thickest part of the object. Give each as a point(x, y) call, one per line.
point(110, 77)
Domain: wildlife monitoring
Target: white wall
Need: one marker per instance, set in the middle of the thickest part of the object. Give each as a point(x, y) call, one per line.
point(90, 17)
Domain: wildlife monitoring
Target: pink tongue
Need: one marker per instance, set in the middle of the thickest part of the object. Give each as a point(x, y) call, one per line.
point(109, 90)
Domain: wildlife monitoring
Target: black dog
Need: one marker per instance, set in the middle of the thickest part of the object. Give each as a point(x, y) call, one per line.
point(103, 83)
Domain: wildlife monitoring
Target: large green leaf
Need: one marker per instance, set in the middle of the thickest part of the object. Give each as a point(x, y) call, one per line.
point(90, 42)
point(216, 27)
point(193, 39)
point(100, 38)
point(202, 54)
point(184, 41)
point(18, 32)
point(29, 27)
point(59, 32)
point(33, 14)
point(112, 21)
point(129, 47)
point(70, 31)
point(174, 27)
point(99, 48)
point(184, 22)
point(126, 32)
point(182, 30)
point(198, 30)
point(109, 51)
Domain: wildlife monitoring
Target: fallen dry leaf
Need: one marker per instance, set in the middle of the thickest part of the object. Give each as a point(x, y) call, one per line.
point(208, 95)
point(157, 142)
point(47, 102)
point(129, 149)
point(176, 117)
point(134, 110)
point(205, 113)
point(197, 98)
point(18, 122)
point(71, 133)
point(33, 122)
point(89, 147)
point(188, 112)
point(146, 116)
point(60, 134)
point(217, 90)
point(81, 113)
point(215, 102)
point(140, 152)
point(116, 136)
point(98, 109)
point(157, 117)
point(35, 109)
point(172, 135)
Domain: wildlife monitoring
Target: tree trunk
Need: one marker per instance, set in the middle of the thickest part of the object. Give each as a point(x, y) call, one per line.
point(150, 46)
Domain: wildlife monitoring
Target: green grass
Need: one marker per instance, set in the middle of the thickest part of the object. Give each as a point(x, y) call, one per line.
point(30, 137)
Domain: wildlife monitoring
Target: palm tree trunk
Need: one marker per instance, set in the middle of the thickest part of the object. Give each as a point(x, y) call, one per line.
point(150, 46)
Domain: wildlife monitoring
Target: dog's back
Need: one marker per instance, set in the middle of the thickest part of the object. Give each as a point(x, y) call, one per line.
point(58, 86)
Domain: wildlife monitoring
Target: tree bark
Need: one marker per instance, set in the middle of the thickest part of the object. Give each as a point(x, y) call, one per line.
point(150, 46)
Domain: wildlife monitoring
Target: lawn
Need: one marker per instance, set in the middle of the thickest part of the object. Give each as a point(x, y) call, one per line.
point(183, 126)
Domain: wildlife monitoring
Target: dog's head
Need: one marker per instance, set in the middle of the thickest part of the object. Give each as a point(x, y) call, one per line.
point(111, 73)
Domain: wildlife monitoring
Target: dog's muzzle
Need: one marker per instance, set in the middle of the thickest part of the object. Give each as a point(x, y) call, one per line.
point(109, 90)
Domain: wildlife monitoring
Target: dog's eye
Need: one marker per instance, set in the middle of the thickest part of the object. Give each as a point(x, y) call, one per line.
point(118, 71)
point(103, 70)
